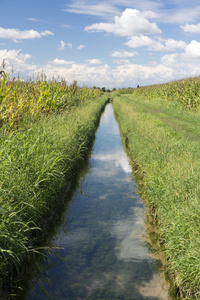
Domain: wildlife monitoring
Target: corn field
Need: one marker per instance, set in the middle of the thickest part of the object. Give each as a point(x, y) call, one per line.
point(186, 92)
point(22, 103)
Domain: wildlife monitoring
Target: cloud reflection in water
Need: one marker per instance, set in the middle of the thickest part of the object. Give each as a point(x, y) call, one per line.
point(128, 232)
point(119, 158)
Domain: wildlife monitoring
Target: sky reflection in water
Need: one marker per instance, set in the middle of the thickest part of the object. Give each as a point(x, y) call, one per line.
point(102, 255)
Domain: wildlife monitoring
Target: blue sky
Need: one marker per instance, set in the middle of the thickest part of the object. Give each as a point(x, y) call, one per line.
point(101, 43)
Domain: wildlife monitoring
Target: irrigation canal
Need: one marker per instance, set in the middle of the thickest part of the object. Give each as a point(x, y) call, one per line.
point(102, 255)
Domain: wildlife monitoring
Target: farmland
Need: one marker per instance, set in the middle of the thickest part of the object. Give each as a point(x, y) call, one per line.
point(160, 125)
point(46, 128)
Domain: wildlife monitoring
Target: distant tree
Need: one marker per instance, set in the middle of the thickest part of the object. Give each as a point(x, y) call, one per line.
point(114, 89)
point(138, 86)
point(103, 89)
point(108, 91)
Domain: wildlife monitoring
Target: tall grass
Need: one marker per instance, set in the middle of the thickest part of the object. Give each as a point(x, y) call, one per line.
point(169, 162)
point(37, 160)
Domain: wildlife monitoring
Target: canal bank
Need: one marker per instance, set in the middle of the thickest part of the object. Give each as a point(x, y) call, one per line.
point(101, 254)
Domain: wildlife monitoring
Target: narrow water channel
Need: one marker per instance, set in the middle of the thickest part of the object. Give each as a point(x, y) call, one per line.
point(102, 255)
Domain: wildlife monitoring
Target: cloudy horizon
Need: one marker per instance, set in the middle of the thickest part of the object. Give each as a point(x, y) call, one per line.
point(101, 43)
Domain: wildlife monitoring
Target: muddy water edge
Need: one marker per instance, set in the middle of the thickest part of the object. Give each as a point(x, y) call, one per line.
point(99, 249)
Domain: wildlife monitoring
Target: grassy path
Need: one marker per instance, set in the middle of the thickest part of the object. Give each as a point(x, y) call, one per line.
point(163, 140)
point(174, 115)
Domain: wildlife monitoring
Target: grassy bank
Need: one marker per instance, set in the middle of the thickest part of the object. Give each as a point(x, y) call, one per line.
point(38, 159)
point(163, 139)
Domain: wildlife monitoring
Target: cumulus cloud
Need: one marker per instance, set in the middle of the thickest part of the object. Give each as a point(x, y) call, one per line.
point(155, 44)
point(62, 45)
point(192, 50)
point(139, 41)
point(16, 34)
point(170, 59)
point(133, 74)
point(184, 64)
point(61, 62)
point(94, 61)
point(85, 74)
point(18, 60)
point(172, 44)
point(95, 72)
point(123, 54)
point(191, 28)
point(131, 22)
point(121, 61)
point(88, 74)
point(80, 47)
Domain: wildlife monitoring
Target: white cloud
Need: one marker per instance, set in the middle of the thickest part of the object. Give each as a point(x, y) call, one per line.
point(180, 14)
point(121, 61)
point(123, 54)
point(139, 41)
point(18, 60)
point(62, 45)
point(88, 74)
point(131, 22)
point(155, 45)
point(134, 74)
point(69, 45)
point(36, 20)
point(191, 28)
point(61, 62)
point(172, 44)
point(66, 26)
point(103, 75)
point(94, 61)
point(17, 34)
point(85, 74)
point(109, 9)
point(102, 9)
point(188, 57)
point(170, 59)
point(94, 72)
point(184, 64)
point(80, 47)
point(192, 50)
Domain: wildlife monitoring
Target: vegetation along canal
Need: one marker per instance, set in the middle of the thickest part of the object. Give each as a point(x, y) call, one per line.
point(101, 254)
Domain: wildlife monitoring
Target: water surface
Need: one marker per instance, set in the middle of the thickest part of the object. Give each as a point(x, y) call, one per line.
point(102, 254)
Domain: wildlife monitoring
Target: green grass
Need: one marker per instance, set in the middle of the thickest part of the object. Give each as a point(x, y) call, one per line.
point(163, 140)
point(35, 166)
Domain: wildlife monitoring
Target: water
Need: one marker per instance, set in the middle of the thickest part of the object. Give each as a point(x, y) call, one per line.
point(102, 254)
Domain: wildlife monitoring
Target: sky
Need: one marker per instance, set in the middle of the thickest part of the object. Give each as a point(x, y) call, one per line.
point(111, 44)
